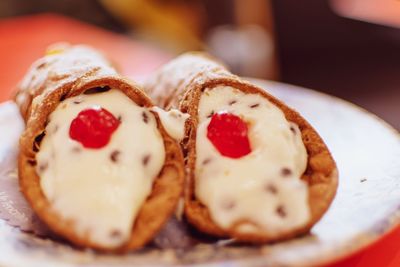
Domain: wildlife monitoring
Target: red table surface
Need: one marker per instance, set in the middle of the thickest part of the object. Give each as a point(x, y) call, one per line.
point(24, 39)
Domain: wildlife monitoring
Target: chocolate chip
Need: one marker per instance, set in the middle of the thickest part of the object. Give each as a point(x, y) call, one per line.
point(293, 130)
point(146, 159)
point(43, 166)
point(228, 204)
point(254, 105)
point(145, 117)
point(119, 118)
point(270, 188)
point(62, 97)
point(363, 180)
point(280, 210)
point(115, 155)
point(286, 172)
point(232, 102)
point(211, 114)
point(115, 234)
point(31, 162)
point(77, 102)
point(37, 141)
point(206, 161)
point(35, 147)
point(76, 149)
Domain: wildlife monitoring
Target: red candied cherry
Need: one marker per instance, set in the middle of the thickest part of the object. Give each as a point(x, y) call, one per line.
point(229, 135)
point(93, 127)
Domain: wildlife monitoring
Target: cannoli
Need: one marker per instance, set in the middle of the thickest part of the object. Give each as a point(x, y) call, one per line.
point(96, 163)
point(257, 171)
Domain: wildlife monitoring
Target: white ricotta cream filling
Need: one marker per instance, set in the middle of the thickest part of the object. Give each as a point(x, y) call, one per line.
point(261, 191)
point(101, 190)
point(173, 122)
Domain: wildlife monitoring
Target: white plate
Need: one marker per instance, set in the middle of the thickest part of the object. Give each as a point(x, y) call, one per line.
point(367, 205)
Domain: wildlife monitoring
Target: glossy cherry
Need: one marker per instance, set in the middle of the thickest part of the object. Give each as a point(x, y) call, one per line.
point(229, 135)
point(93, 127)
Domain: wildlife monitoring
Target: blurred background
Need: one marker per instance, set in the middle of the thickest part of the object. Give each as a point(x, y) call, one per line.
point(347, 48)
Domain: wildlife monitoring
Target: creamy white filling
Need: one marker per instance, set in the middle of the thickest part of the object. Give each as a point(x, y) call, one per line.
point(263, 187)
point(173, 122)
point(101, 190)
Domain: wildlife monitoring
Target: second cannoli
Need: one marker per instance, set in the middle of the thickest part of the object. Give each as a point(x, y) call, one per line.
point(257, 170)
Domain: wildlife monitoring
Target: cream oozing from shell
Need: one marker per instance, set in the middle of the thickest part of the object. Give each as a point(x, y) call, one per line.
point(261, 191)
point(173, 122)
point(101, 190)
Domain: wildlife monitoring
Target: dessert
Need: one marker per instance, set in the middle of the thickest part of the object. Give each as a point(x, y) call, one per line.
point(96, 162)
point(257, 170)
